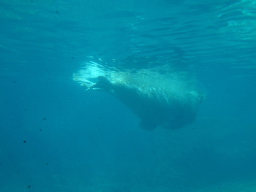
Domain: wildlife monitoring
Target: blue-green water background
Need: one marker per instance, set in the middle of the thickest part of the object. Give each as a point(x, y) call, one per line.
point(55, 136)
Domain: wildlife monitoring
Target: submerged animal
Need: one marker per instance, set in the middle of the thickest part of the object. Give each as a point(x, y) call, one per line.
point(159, 97)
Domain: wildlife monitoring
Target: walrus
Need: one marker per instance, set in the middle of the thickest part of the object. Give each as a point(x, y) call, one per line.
point(159, 97)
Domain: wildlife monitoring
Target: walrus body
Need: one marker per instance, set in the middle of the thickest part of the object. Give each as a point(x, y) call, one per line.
point(157, 101)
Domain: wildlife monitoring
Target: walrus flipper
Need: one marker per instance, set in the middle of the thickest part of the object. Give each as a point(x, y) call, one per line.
point(103, 83)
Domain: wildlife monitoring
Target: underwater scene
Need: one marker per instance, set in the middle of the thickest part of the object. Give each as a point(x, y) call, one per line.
point(128, 96)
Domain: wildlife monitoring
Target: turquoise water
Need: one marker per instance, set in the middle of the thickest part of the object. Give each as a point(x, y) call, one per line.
point(55, 136)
